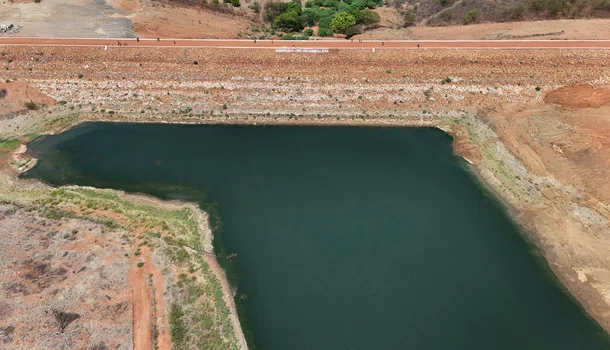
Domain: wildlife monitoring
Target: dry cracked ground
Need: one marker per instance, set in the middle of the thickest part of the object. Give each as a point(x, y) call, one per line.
point(534, 123)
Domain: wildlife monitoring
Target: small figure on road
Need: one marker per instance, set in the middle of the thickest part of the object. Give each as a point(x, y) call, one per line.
point(119, 43)
point(174, 42)
point(417, 45)
point(158, 39)
point(138, 39)
point(255, 41)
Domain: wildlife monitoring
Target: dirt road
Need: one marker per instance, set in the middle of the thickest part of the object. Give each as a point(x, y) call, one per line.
point(316, 44)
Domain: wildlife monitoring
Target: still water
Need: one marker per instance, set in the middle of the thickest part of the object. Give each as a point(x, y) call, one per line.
point(346, 237)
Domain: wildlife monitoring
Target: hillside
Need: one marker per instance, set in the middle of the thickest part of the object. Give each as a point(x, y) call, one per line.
point(309, 19)
point(453, 12)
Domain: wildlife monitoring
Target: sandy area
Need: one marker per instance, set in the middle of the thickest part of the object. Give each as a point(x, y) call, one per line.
point(121, 19)
point(68, 19)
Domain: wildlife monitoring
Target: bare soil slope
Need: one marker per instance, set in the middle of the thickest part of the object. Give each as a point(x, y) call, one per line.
point(66, 264)
point(565, 29)
point(14, 96)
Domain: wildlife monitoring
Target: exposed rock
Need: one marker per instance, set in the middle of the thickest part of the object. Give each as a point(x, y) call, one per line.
point(8, 28)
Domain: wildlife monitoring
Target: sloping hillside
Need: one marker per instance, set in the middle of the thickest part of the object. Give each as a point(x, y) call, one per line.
point(453, 12)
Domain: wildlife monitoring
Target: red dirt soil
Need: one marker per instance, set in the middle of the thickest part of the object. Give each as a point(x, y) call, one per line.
point(580, 96)
point(18, 94)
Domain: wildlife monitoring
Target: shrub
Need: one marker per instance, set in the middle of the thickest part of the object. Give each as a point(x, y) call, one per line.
point(472, 16)
point(274, 9)
point(538, 88)
point(342, 22)
point(31, 105)
point(3, 93)
point(308, 32)
point(177, 327)
point(325, 32)
point(350, 32)
point(289, 21)
point(294, 37)
point(235, 3)
point(80, 75)
point(314, 3)
point(310, 16)
point(195, 62)
point(359, 4)
point(140, 263)
point(256, 7)
point(409, 19)
point(370, 18)
point(446, 14)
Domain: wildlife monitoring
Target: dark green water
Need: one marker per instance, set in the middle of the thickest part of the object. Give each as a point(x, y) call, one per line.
point(346, 238)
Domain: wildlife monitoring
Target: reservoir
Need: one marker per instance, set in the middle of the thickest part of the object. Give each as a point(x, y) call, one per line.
point(343, 237)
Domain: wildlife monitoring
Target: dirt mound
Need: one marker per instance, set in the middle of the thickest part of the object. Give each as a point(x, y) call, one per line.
point(580, 96)
point(15, 96)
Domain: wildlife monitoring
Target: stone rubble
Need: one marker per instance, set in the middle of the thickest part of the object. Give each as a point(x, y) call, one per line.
point(9, 28)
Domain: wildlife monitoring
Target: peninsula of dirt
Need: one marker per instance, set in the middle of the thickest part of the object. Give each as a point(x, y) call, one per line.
point(533, 123)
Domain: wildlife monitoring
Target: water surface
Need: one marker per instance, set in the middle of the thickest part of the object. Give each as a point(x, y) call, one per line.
point(346, 238)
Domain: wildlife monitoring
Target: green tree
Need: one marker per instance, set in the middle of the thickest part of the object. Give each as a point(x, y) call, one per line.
point(310, 16)
point(359, 4)
point(273, 9)
point(342, 22)
point(357, 13)
point(289, 21)
point(324, 32)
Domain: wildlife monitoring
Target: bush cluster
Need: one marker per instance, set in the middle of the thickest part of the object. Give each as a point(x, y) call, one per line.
point(331, 16)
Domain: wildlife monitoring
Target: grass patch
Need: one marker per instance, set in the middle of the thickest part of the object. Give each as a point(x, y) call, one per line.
point(177, 328)
point(8, 145)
